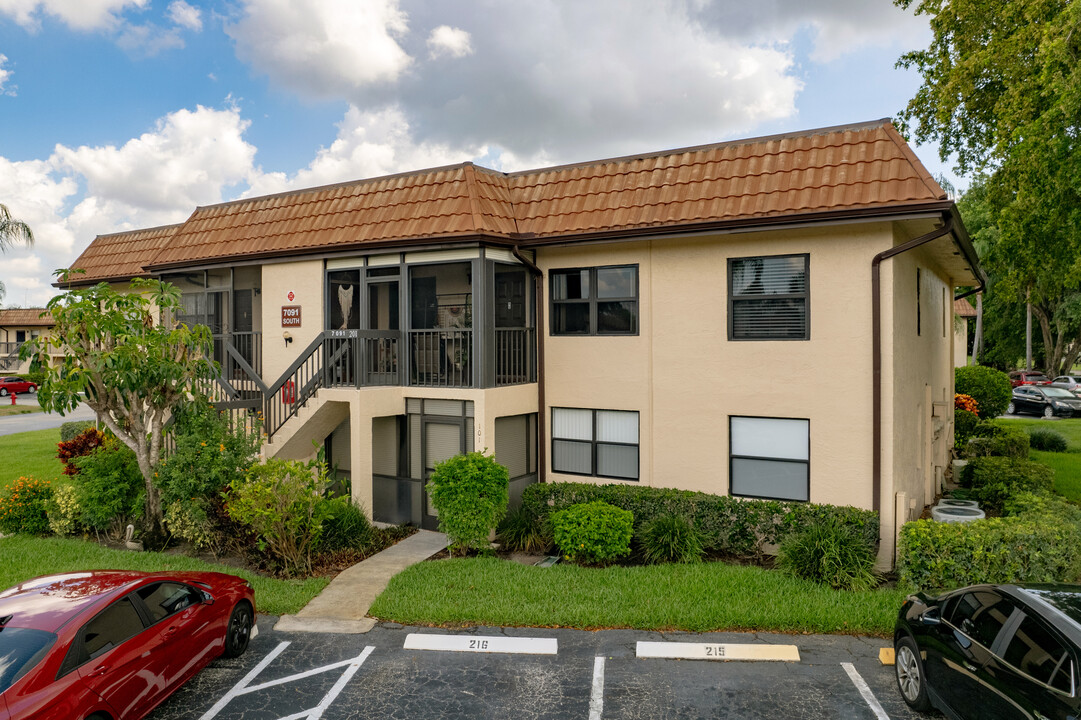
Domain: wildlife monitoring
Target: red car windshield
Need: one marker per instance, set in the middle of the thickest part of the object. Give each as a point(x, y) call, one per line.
point(20, 650)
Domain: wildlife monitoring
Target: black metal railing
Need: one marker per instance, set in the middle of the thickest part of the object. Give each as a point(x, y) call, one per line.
point(297, 384)
point(441, 358)
point(9, 354)
point(515, 356)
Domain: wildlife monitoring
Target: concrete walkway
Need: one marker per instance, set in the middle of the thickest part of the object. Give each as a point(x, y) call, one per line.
point(343, 605)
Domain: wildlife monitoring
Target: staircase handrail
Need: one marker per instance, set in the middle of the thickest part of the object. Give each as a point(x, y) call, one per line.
point(275, 387)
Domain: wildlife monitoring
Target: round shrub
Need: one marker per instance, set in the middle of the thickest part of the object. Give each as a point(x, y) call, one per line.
point(831, 554)
point(347, 527)
point(523, 531)
point(63, 511)
point(469, 492)
point(109, 487)
point(994, 480)
point(76, 427)
point(593, 533)
point(964, 426)
point(24, 506)
point(1044, 439)
point(1001, 442)
point(990, 388)
point(671, 539)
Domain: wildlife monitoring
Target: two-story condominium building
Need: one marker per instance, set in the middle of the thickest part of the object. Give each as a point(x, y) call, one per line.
point(765, 318)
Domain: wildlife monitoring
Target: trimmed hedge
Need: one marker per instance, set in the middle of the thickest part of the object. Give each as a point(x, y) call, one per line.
point(1000, 441)
point(990, 388)
point(994, 480)
point(593, 533)
point(1027, 548)
point(727, 525)
point(69, 430)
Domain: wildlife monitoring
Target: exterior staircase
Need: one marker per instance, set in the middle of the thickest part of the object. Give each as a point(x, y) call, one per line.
point(311, 423)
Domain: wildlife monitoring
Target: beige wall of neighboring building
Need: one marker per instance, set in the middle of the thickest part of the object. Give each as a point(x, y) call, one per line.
point(305, 280)
point(686, 378)
point(960, 341)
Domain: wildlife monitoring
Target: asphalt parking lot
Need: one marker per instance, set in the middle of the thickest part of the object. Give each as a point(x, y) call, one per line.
point(592, 675)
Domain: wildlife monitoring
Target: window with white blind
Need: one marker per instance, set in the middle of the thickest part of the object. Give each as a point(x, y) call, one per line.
point(768, 298)
point(769, 458)
point(599, 443)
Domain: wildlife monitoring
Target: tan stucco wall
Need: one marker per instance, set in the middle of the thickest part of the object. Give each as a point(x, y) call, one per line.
point(960, 341)
point(305, 280)
point(686, 379)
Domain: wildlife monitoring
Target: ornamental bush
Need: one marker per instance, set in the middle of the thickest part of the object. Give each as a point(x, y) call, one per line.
point(1046, 439)
point(346, 526)
point(831, 554)
point(76, 427)
point(109, 487)
point(994, 480)
point(593, 533)
point(522, 530)
point(282, 502)
point(23, 506)
point(990, 388)
point(78, 446)
point(964, 426)
point(966, 402)
point(1000, 442)
point(728, 526)
point(671, 539)
point(470, 494)
point(65, 515)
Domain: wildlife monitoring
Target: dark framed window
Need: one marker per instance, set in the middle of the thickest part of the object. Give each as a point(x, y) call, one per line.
point(768, 298)
point(595, 301)
point(598, 443)
point(769, 458)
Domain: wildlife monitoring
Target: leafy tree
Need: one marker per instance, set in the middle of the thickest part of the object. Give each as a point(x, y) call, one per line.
point(1002, 90)
point(133, 371)
point(12, 231)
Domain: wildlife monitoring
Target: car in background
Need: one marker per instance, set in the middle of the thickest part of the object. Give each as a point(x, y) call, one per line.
point(16, 385)
point(991, 651)
point(1043, 400)
point(114, 644)
point(1068, 382)
point(1028, 377)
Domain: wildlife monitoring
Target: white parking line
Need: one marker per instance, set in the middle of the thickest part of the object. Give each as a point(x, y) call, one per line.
point(596, 698)
point(244, 688)
point(865, 691)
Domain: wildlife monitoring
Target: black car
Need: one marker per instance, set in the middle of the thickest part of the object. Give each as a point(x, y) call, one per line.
point(1047, 401)
point(992, 651)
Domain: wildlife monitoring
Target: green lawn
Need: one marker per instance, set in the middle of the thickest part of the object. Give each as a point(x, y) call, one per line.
point(701, 597)
point(1069, 427)
point(1067, 465)
point(30, 454)
point(26, 557)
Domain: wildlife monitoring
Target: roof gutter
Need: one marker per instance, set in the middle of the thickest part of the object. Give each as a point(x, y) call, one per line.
point(538, 295)
point(876, 347)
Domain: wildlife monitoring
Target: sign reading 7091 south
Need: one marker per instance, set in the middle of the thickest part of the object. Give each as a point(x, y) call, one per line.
point(290, 316)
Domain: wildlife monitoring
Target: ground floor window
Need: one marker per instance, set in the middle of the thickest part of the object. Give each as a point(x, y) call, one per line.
point(769, 458)
point(600, 443)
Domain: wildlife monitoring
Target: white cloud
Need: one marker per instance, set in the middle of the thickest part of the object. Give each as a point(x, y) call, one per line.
point(446, 41)
point(5, 76)
point(77, 14)
point(321, 46)
point(148, 40)
point(185, 15)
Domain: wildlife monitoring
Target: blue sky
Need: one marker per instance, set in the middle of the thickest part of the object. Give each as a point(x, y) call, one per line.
point(119, 114)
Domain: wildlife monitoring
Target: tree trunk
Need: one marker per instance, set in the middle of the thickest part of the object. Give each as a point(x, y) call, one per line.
point(152, 514)
point(977, 341)
point(1028, 336)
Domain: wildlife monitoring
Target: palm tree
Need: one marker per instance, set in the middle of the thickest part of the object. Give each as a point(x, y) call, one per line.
point(12, 231)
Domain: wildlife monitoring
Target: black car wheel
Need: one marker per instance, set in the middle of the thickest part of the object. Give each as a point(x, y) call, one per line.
point(239, 630)
point(910, 678)
point(1011, 409)
point(1048, 412)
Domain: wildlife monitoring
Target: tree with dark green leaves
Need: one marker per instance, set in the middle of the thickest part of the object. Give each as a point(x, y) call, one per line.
point(130, 368)
point(1002, 92)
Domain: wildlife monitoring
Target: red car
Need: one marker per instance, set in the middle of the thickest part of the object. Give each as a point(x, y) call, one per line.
point(16, 385)
point(1028, 377)
point(112, 644)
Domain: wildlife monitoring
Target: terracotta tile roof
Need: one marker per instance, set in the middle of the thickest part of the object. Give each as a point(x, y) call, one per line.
point(865, 167)
point(963, 308)
point(25, 317)
point(121, 256)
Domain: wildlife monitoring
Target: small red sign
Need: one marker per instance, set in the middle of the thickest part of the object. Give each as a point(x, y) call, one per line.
point(291, 296)
point(290, 315)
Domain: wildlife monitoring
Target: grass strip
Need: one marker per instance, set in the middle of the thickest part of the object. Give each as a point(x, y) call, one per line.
point(699, 597)
point(1067, 467)
point(30, 454)
point(25, 557)
point(1070, 428)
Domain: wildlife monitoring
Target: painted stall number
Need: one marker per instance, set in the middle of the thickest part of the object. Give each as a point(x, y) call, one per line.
point(478, 644)
point(714, 650)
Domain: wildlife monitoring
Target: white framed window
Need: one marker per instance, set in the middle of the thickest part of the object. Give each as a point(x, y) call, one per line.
point(598, 443)
point(769, 458)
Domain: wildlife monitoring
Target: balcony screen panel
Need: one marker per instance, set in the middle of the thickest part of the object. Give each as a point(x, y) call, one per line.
point(618, 427)
point(415, 463)
point(571, 318)
point(771, 438)
point(512, 443)
point(572, 457)
point(769, 276)
point(617, 282)
point(766, 319)
point(618, 461)
point(617, 317)
point(572, 424)
point(570, 285)
point(442, 442)
point(769, 479)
